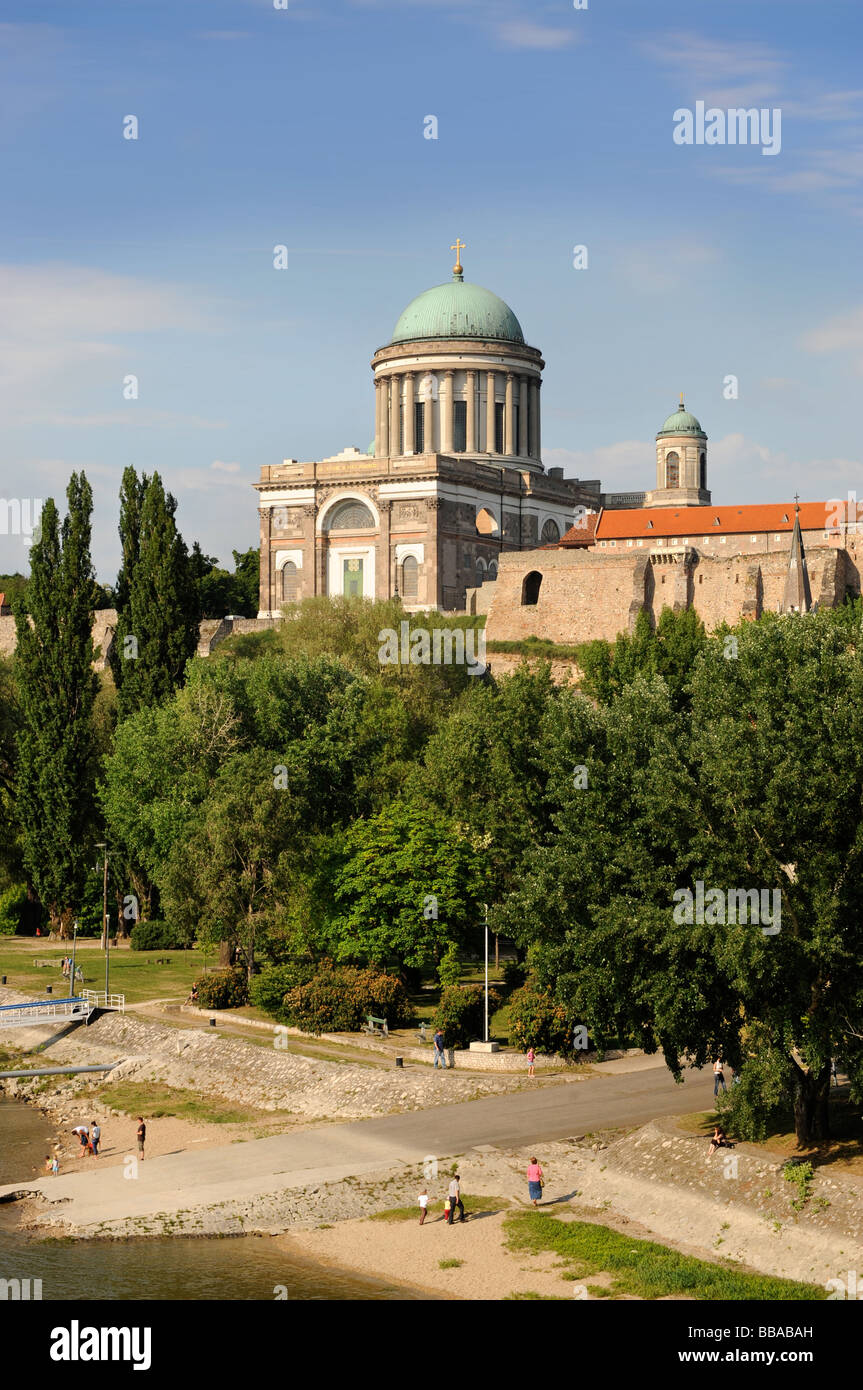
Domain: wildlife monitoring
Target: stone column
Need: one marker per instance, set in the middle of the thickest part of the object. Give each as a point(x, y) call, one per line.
point(534, 417)
point(509, 416)
point(378, 389)
point(385, 417)
point(489, 413)
point(310, 581)
point(383, 567)
point(265, 588)
point(428, 424)
point(409, 413)
point(395, 402)
point(446, 414)
point(433, 555)
point(522, 418)
point(470, 442)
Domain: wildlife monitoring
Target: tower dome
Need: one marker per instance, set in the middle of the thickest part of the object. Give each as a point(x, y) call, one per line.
point(681, 422)
point(457, 310)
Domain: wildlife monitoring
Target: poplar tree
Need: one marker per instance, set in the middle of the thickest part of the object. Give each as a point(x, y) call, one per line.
point(132, 490)
point(55, 775)
point(157, 629)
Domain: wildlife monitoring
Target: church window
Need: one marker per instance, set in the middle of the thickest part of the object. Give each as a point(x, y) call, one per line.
point(410, 577)
point(401, 427)
point(492, 570)
point(498, 427)
point(350, 515)
point(702, 471)
point(480, 573)
point(419, 428)
point(459, 427)
point(486, 522)
point(530, 589)
point(550, 533)
point(516, 415)
point(672, 469)
point(290, 583)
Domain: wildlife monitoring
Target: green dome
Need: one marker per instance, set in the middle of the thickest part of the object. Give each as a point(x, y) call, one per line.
point(457, 310)
point(681, 422)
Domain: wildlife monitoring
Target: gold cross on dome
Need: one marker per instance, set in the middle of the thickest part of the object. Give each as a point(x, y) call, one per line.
point(458, 247)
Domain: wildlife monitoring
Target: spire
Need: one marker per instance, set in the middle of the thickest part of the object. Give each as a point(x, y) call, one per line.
point(798, 596)
point(457, 270)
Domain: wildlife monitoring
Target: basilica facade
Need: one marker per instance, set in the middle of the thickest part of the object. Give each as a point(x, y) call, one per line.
point(452, 480)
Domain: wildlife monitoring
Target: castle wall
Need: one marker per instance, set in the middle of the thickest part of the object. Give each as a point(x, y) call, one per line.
point(597, 594)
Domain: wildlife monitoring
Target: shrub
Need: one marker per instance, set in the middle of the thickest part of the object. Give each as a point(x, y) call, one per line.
point(267, 990)
point(537, 1020)
point(338, 998)
point(461, 1013)
point(158, 936)
point(449, 970)
point(514, 974)
point(224, 989)
point(13, 906)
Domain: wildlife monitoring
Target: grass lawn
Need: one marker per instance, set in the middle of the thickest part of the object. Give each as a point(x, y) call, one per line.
point(158, 1102)
point(641, 1267)
point(133, 973)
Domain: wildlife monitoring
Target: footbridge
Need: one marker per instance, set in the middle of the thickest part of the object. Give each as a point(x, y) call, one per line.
point(76, 1009)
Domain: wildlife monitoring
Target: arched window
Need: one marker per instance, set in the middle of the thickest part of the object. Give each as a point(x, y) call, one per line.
point(672, 469)
point(492, 570)
point(290, 583)
point(480, 573)
point(410, 577)
point(350, 515)
point(530, 589)
point(702, 470)
point(550, 533)
point(486, 522)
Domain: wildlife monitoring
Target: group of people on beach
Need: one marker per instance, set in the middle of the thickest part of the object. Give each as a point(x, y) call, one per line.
point(89, 1139)
point(453, 1202)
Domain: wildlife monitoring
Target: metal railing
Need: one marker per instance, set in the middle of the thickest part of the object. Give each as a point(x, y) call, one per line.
point(37, 1011)
point(98, 999)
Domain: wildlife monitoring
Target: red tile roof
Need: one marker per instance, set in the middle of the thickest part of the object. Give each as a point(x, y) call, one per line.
point(688, 523)
point(583, 534)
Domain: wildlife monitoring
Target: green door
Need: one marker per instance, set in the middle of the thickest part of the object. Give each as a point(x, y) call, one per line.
point(352, 581)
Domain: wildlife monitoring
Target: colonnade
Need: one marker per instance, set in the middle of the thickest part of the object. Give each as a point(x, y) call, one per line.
point(395, 434)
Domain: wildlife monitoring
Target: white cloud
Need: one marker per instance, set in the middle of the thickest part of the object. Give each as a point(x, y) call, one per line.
point(65, 325)
point(842, 333)
point(629, 465)
point(225, 467)
point(524, 33)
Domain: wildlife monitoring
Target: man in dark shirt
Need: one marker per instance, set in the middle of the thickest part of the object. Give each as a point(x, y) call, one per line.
point(142, 1135)
point(439, 1054)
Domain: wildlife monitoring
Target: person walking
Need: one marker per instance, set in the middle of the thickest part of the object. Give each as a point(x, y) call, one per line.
point(141, 1136)
point(439, 1054)
point(455, 1199)
point(535, 1181)
point(55, 1166)
point(424, 1205)
point(718, 1078)
point(531, 1061)
point(95, 1136)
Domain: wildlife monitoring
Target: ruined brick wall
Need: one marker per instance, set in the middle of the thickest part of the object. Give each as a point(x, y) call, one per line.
point(588, 594)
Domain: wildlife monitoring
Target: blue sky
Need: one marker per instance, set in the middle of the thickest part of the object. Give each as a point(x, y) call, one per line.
point(304, 127)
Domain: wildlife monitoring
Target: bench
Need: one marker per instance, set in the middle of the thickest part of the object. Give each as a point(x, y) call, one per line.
point(40, 964)
point(374, 1025)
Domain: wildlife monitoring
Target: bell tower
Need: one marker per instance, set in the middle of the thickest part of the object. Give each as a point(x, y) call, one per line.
point(681, 463)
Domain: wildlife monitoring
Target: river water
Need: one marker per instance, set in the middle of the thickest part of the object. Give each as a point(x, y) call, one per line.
point(241, 1267)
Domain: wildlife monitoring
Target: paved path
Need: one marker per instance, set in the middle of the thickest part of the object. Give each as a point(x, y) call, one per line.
point(329, 1153)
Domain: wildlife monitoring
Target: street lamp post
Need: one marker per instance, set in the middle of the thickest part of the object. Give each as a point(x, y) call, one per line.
point(72, 970)
point(485, 1035)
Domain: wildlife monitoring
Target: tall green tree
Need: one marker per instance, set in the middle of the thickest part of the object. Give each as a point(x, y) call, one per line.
point(157, 625)
point(55, 775)
point(132, 489)
point(759, 787)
